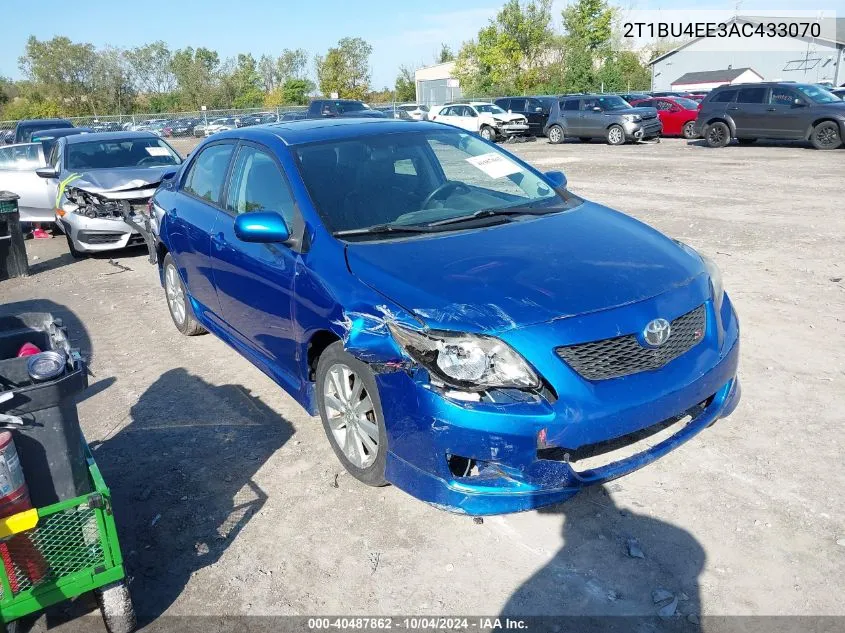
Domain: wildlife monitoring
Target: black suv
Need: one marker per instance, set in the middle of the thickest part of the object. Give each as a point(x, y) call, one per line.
point(535, 109)
point(777, 110)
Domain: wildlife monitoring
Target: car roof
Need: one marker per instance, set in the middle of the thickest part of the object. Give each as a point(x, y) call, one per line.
point(61, 131)
point(108, 136)
point(319, 130)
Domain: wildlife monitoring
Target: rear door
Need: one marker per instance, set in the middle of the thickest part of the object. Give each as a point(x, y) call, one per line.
point(749, 112)
point(17, 174)
point(592, 121)
point(192, 215)
point(570, 110)
point(669, 114)
point(255, 281)
point(786, 113)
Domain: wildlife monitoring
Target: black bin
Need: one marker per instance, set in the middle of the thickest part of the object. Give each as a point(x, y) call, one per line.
point(49, 442)
point(13, 261)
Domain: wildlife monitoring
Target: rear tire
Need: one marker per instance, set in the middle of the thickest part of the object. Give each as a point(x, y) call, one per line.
point(718, 134)
point(116, 608)
point(352, 414)
point(556, 135)
point(177, 300)
point(826, 136)
point(615, 135)
point(688, 131)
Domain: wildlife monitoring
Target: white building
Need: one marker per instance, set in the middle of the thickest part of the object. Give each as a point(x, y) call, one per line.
point(800, 59)
point(437, 84)
point(709, 79)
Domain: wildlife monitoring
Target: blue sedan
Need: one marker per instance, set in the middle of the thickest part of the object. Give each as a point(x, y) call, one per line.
point(467, 328)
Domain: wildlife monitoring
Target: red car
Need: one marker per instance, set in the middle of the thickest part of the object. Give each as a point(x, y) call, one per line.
point(677, 114)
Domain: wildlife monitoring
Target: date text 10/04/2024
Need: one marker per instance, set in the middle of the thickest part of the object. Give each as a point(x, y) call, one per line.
point(418, 623)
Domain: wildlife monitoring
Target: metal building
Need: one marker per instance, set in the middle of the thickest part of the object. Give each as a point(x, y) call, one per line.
point(800, 59)
point(436, 84)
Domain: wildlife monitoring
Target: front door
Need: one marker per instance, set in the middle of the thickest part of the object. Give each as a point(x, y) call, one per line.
point(255, 281)
point(786, 114)
point(592, 121)
point(465, 118)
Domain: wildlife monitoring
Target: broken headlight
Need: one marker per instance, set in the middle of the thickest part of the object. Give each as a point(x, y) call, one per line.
point(467, 361)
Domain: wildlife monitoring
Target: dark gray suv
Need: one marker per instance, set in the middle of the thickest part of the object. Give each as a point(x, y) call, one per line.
point(607, 117)
point(777, 110)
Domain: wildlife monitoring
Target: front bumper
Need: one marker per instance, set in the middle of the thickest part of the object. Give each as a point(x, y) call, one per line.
point(650, 128)
point(426, 428)
point(513, 129)
point(93, 235)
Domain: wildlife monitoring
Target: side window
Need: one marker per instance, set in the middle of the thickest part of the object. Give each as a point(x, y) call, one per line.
point(752, 95)
point(782, 96)
point(663, 106)
point(571, 105)
point(504, 104)
point(648, 103)
point(589, 104)
point(206, 175)
point(517, 105)
point(20, 157)
point(726, 96)
point(405, 166)
point(53, 159)
point(258, 185)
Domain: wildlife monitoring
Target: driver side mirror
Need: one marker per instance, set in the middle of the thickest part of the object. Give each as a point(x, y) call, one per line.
point(47, 172)
point(538, 109)
point(557, 179)
point(596, 109)
point(263, 227)
point(797, 103)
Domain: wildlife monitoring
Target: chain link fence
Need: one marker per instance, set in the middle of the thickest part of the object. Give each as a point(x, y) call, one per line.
point(195, 123)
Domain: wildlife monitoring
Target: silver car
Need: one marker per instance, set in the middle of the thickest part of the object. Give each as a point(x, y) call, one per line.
point(104, 180)
point(18, 165)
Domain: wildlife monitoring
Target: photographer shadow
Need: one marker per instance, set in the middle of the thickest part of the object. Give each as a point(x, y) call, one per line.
point(597, 581)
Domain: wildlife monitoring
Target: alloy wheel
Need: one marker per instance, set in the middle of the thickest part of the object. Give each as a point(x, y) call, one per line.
point(487, 134)
point(716, 135)
point(615, 136)
point(554, 135)
point(175, 294)
point(351, 415)
point(828, 136)
point(689, 130)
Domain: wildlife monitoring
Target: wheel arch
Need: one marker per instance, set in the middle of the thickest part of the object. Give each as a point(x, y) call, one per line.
point(314, 348)
point(823, 119)
point(723, 119)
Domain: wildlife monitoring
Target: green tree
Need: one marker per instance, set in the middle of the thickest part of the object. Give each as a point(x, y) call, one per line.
point(196, 73)
point(445, 54)
point(151, 66)
point(62, 70)
point(345, 69)
point(588, 27)
point(112, 89)
point(508, 54)
point(406, 85)
point(296, 91)
point(245, 83)
point(291, 64)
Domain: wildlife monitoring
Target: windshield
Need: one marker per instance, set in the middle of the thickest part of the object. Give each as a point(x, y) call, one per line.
point(417, 178)
point(612, 102)
point(688, 104)
point(116, 153)
point(27, 132)
point(817, 94)
point(489, 108)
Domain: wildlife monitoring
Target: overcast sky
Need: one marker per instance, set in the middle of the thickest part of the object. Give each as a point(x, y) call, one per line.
point(401, 32)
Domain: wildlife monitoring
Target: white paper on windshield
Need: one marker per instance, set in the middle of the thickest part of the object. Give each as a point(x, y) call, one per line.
point(494, 165)
point(157, 151)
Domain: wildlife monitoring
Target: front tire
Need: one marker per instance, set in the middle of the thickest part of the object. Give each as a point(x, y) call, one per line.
point(177, 300)
point(826, 135)
point(556, 135)
point(488, 133)
point(718, 134)
point(74, 252)
point(350, 408)
point(688, 131)
point(615, 135)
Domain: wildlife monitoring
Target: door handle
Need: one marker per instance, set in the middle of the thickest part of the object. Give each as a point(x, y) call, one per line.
point(733, 108)
point(771, 109)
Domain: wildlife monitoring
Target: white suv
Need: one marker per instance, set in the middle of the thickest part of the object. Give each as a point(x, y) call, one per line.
point(416, 110)
point(488, 119)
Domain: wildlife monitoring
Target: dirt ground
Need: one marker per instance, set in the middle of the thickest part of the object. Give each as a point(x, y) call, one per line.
point(230, 501)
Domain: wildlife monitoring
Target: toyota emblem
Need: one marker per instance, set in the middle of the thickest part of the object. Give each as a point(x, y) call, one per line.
point(657, 332)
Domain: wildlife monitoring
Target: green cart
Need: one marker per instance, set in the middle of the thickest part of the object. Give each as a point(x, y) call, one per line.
point(62, 551)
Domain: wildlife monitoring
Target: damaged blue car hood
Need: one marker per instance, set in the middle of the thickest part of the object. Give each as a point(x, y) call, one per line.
point(524, 272)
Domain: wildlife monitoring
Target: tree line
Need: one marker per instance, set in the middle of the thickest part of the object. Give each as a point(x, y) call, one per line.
point(517, 52)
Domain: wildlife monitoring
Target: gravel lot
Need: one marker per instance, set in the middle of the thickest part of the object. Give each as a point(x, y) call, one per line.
point(230, 501)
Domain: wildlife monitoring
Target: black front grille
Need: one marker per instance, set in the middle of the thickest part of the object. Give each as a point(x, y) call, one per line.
point(624, 355)
point(99, 238)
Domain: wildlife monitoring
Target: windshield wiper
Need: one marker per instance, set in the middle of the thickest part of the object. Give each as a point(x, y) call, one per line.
point(489, 213)
point(384, 228)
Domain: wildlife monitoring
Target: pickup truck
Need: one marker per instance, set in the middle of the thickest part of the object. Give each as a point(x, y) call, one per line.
point(322, 108)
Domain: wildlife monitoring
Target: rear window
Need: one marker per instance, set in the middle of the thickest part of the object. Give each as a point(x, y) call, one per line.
point(725, 96)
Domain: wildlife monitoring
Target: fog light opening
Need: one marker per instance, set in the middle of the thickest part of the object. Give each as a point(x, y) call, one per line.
point(462, 466)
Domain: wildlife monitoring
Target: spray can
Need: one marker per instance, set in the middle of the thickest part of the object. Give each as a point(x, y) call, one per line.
point(20, 557)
